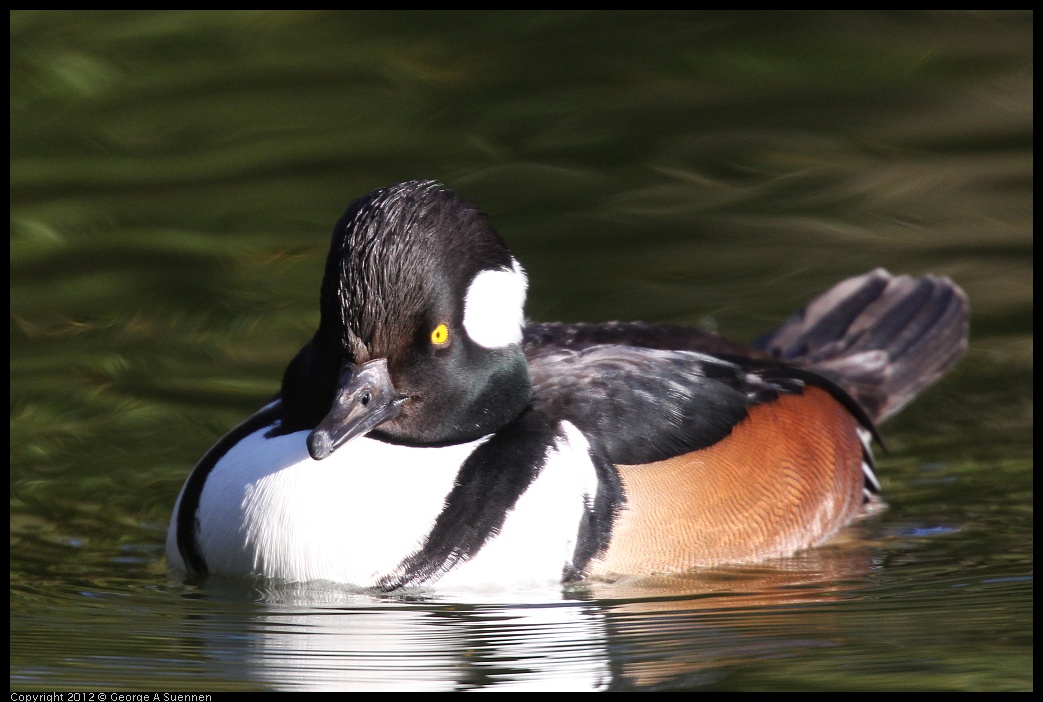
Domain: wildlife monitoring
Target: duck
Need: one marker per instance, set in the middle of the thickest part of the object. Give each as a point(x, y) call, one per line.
point(428, 434)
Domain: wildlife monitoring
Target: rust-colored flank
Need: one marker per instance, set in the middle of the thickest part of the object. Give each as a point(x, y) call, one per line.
point(788, 477)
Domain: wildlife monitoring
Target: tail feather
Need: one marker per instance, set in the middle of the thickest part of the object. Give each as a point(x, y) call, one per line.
point(882, 338)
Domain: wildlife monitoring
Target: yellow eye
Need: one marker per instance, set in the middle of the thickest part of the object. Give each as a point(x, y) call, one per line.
point(440, 336)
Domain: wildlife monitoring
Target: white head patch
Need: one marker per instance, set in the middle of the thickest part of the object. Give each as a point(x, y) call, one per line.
point(493, 308)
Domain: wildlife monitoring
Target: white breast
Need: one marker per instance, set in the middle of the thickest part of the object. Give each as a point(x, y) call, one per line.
point(267, 508)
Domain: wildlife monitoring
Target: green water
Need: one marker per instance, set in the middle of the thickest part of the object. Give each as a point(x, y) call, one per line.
point(174, 178)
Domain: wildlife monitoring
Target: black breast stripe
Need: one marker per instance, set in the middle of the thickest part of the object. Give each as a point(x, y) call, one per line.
point(599, 515)
point(187, 514)
point(486, 489)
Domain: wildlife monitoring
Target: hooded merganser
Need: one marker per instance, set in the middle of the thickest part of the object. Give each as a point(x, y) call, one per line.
point(427, 434)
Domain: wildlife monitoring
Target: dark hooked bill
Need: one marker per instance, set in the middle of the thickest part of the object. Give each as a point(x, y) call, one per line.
point(366, 399)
